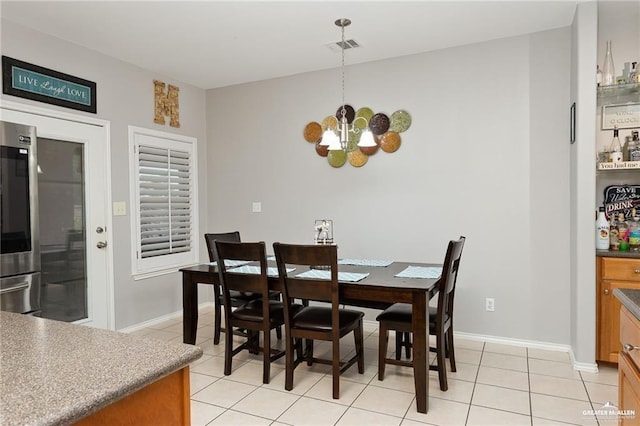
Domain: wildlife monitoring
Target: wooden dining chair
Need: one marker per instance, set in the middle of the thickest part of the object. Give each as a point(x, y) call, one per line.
point(328, 323)
point(398, 318)
point(237, 298)
point(259, 315)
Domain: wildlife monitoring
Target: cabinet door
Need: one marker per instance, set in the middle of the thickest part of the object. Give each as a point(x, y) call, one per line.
point(609, 319)
point(628, 389)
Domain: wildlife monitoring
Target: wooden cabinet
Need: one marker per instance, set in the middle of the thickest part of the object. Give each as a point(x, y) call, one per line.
point(612, 273)
point(628, 372)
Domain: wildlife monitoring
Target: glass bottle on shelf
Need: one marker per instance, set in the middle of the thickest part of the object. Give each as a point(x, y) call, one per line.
point(614, 241)
point(598, 76)
point(602, 231)
point(623, 228)
point(615, 151)
point(634, 232)
point(634, 75)
point(608, 69)
point(634, 146)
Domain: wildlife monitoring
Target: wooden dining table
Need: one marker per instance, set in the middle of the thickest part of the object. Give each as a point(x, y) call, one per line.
point(380, 288)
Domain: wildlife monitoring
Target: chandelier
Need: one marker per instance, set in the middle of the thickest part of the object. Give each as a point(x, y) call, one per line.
point(351, 135)
point(345, 125)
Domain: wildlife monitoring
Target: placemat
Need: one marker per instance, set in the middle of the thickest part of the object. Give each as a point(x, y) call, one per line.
point(250, 269)
point(229, 263)
point(365, 262)
point(326, 275)
point(420, 272)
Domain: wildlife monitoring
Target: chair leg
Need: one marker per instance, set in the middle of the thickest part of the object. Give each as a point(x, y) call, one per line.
point(308, 352)
point(217, 315)
point(335, 368)
point(279, 332)
point(399, 337)
point(228, 351)
point(289, 364)
point(452, 353)
point(266, 356)
point(382, 349)
point(358, 336)
point(406, 339)
point(442, 368)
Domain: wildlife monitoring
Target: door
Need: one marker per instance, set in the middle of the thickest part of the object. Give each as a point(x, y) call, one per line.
point(74, 198)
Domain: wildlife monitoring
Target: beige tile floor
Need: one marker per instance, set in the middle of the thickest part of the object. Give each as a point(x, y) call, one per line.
point(494, 385)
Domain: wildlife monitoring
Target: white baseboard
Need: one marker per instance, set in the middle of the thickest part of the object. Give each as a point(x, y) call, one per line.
point(580, 366)
point(163, 318)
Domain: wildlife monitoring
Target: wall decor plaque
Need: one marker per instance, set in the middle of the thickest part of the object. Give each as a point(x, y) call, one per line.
point(166, 103)
point(37, 83)
point(626, 116)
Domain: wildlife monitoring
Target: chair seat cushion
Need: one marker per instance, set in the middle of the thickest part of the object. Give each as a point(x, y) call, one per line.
point(319, 318)
point(252, 311)
point(401, 312)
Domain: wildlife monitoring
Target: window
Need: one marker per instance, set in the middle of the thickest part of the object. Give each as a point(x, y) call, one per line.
point(164, 201)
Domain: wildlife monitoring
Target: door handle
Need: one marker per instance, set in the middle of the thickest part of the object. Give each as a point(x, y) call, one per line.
point(101, 244)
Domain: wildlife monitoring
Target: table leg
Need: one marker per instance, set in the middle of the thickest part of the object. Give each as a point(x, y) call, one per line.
point(420, 322)
point(189, 308)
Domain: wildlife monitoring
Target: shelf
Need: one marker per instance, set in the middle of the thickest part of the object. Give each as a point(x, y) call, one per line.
point(618, 93)
point(624, 165)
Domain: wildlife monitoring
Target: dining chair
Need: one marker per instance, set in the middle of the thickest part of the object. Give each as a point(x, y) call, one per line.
point(327, 323)
point(259, 315)
point(237, 298)
point(398, 318)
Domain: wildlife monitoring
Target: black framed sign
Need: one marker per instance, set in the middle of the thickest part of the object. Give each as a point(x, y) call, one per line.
point(41, 84)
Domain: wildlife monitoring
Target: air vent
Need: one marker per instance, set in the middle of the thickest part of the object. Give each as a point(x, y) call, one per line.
point(348, 44)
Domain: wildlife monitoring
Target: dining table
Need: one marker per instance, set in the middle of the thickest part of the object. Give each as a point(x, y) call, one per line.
point(381, 287)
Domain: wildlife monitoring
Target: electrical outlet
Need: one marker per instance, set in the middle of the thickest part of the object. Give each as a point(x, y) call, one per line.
point(256, 207)
point(490, 304)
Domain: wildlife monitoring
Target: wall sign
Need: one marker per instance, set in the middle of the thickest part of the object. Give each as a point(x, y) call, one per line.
point(626, 116)
point(33, 82)
point(621, 199)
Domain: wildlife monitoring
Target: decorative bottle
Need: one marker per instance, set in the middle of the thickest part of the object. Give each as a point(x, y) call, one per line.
point(598, 76)
point(623, 228)
point(634, 232)
point(615, 151)
point(602, 231)
point(614, 240)
point(608, 69)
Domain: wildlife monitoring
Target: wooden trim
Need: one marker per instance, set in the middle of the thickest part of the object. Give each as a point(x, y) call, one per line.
point(164, 402)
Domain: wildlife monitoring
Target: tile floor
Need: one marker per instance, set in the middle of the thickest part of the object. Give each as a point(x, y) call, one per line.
point(494, 385)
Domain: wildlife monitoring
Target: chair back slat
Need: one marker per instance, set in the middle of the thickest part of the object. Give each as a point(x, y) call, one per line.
point(253, 283)
point(209, 238)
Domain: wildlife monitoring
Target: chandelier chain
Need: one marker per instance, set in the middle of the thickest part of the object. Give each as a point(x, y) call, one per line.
point(344, 111)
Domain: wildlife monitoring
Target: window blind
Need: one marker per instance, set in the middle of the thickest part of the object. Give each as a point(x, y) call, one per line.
point(165, 201)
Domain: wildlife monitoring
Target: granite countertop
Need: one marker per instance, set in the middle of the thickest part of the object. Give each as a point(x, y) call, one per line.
point(610, 253)
point(630, 299)
point(53, 372)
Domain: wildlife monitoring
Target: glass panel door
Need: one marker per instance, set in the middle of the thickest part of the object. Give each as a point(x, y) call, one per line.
point(62, 229)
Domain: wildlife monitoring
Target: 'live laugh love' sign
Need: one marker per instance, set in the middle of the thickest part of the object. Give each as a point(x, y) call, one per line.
point(33, 82)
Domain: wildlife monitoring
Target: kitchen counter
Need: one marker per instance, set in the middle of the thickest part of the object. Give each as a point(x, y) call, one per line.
point(630, 299)
point(610, 253)
point(58, 373)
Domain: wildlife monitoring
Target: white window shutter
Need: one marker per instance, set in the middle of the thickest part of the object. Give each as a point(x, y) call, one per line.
point(166, 221)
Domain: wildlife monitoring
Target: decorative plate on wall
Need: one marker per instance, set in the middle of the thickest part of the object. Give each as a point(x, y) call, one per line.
point(313, 132)
point(400, 121)
point(379, 123)
point(390, 142)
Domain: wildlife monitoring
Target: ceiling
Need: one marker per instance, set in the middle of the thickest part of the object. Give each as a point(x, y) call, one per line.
point(212, 44)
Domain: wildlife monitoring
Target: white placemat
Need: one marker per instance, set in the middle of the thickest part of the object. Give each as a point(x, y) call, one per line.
point(229, 263)
point(326, 275)
point(365, 262)
point(420, 272)
point(250, 269)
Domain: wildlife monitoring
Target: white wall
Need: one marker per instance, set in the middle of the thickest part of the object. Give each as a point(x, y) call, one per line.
point(487, 157)
point(125, 97)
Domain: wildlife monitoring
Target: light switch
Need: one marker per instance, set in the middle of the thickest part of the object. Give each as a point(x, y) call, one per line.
point(256, 207)
point(119, 208)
